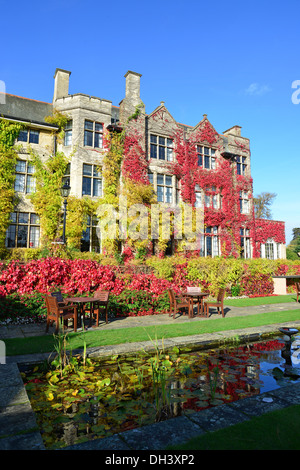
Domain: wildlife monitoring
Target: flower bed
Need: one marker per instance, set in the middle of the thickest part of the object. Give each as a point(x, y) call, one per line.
point(22, 286)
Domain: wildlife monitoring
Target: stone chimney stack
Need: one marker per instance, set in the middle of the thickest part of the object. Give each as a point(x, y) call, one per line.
point(132, 96)
point(61, 83)
point(133, 87)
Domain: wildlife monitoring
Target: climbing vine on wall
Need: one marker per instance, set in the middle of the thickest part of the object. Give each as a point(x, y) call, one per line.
point(8, 157)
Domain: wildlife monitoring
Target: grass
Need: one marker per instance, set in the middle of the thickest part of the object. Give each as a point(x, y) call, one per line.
point(45, 344)
point(250, 302)
point(276, 430)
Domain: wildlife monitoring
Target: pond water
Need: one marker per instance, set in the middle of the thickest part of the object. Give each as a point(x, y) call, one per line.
point(101, 398)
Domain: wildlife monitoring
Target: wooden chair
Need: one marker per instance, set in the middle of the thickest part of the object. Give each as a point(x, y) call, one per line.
point(219, 303)
point(297, 289)
point(177, 303)
point(101, 305)
point(57, 312)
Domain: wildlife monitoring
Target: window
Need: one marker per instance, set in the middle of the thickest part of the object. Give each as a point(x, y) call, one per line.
point(30, 136)
point(245, 243)
point(206, 157)
point(91, 181)
point(93, 134)
point(150, 177)
point(241, 165)
point(211, 199)
point(198, 202)
point(68, 133)
point(161, 148)
point(269, 249)
point(25, 179)
point(244, 202)
point(91, 240)
point(24, 231)
point(210, 242)
point(164, 188)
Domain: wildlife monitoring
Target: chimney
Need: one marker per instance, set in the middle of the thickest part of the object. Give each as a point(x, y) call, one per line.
point(61, 83)
point(133, 87)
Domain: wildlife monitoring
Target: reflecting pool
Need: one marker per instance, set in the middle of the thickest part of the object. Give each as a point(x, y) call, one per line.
point(94, 399)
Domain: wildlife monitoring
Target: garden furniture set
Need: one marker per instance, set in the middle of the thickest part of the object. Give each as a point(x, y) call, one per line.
point(60, 309)
point(194, 296)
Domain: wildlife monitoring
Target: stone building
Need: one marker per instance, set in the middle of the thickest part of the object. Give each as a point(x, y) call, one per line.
point(189, 164)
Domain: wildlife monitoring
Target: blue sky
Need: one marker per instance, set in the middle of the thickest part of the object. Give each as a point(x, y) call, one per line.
point(234, 61)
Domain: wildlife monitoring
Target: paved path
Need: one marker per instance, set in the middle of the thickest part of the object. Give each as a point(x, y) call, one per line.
point(18, 429)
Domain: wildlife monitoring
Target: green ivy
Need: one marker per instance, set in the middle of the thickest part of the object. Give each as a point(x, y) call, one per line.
point(8, 158)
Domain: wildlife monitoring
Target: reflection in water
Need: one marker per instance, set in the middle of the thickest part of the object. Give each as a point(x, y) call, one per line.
point(116, 395)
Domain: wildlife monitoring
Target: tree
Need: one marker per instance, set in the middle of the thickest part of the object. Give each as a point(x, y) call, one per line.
point(262, 203)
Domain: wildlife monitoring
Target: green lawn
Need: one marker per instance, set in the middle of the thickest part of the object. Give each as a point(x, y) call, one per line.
point(248, 302)
point(42, 344)
point(277, 430)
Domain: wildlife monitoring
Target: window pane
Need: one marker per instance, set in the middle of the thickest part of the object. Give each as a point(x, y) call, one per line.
point(213, 163)
point(161, 153)
point(88, 138)
point(85, 241)
point(208, 246)
point(160, 179)
point(22, 236)
point(96, 240)
point(10, 241)
point(98, 127)
point(200, 160)
point(153, 139)
point(68, 126)
point(150, 177)
point(30, 168)
point(21, 166)
point(206, 151)
point(161, 141)
point(68, 138)
point(97, 187)
point(206, 162)
point(88, 125)
point(34, 137)
point(34, 219)
point(20, 183)
point(87, 169)
point(153, 151)
point(160, 194)
point(23, 136)
point(168, 180)
point(198, 200)
point(34, 237)
point(30, 184)
point(86, 186)
point(169, 154)
point(169, 142)
point(98, 141)
point(169, 195)
point(23, 217)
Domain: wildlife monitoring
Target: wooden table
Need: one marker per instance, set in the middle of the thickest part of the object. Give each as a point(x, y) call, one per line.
point(81, 301)
point(199, 295)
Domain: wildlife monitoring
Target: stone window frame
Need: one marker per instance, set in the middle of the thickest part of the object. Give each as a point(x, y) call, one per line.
point(245, 242)
point(25, 177)
point(29, 136)
point(161, 147)
point(91, 236)
point(244, 202)
point(94, 176)
point(68, 133)
point(206, 157)
point(166, 188)
point(241, 165)
point(93, 132)
point(23, 226)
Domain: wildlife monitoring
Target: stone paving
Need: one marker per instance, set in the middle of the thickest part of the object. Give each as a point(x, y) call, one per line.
point(18, 428)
